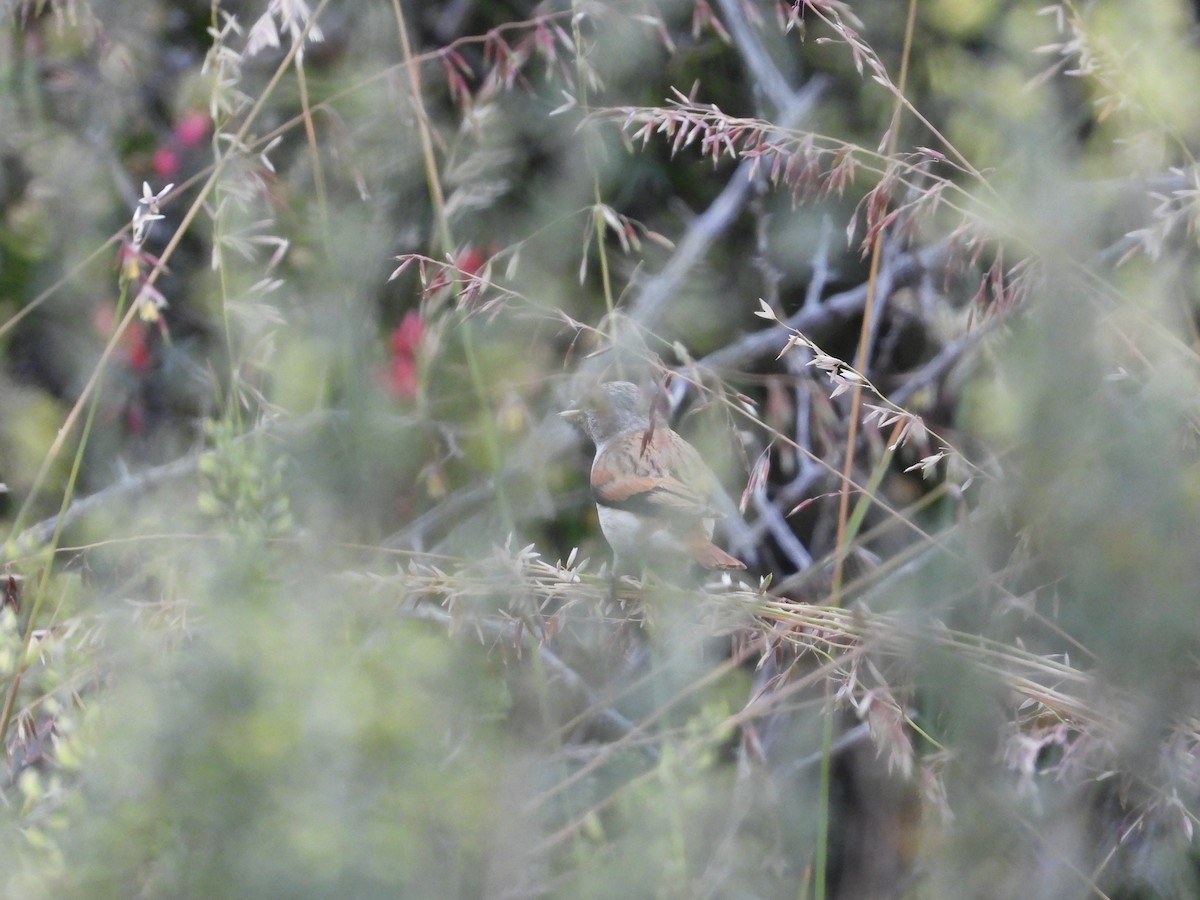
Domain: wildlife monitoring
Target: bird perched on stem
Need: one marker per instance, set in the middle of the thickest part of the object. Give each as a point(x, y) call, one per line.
point(652, 489)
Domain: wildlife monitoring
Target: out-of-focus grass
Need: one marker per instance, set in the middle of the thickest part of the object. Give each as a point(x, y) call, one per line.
point(232, 687)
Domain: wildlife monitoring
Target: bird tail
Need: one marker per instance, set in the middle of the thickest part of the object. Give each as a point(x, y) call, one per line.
point(711, 556)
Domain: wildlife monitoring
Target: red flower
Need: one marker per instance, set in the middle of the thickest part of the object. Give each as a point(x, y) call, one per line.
point(471, 259)
point(402, 377)
point(165, 162)
point(137, 347)
point(405, 340)
point(406, 336)
point(192, 128)
point(187, 134)
point(468, 262)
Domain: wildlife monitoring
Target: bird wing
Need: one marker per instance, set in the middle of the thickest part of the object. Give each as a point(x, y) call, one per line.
point(663, 476)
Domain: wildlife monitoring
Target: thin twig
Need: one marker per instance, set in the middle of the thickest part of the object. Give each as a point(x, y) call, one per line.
point(820, 272)
point(906, 269)
point(942, 363)
point(770, 518)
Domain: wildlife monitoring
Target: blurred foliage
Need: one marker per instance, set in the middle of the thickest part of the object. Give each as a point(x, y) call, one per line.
point(302, 588)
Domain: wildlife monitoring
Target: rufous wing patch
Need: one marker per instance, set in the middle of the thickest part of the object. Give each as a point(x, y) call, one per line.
point(669, 480)
point(614, 489)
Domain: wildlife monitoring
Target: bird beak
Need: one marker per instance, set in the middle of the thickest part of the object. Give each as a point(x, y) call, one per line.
point(574, 416)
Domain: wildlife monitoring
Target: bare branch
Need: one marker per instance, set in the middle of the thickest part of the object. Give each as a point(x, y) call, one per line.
point(767, 76)
point(177, 471)
point(654, 301)
point(904, 270)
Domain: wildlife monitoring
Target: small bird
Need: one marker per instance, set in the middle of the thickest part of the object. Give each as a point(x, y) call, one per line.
point(652, 489)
